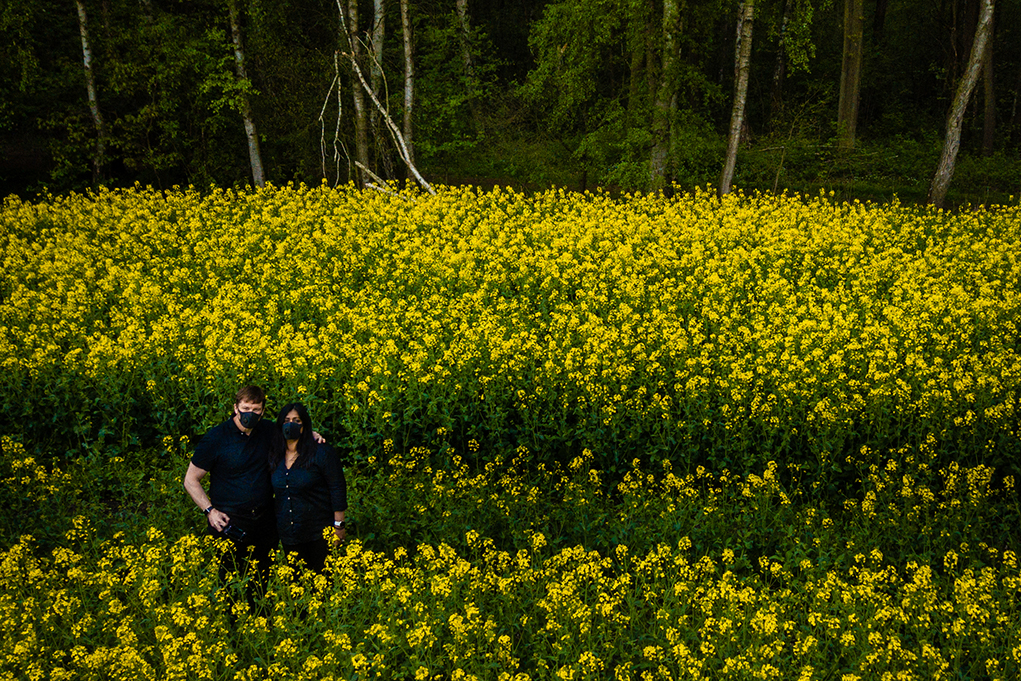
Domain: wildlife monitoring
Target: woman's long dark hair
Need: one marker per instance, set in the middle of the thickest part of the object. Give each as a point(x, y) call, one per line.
point(306, 445)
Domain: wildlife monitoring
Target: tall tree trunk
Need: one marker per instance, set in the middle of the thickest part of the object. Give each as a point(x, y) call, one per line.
point(464, 32)
point(90, 86)
point(665, 105)
point(254, 155)
point(378, 39)
point(850, 73)
point(378, 81)
point(358, 95)
point(989, 96)
point(409, 82)
point(743, 54)
point(398, 136)
point(952, 142)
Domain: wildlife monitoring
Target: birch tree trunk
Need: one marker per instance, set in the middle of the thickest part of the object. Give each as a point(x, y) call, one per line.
point(409, 82)
point(378, 80)
point(850, 73)
point(952, 142)
point(90, 86)
point(743, 53)
point(402, 147)
point(254, 155)
point(358, 95)
point(464, 23)
point(378, 39)
point(665, 104)
point(468, 60)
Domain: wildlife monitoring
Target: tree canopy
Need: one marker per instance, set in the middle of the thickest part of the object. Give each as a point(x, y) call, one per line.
point(624, 94)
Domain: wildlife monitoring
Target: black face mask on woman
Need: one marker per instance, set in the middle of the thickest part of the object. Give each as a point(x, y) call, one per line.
point(292, 431)
point(249, 418)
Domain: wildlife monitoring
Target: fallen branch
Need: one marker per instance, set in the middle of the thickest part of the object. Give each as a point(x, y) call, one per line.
point(394, 130)
point(382, 186)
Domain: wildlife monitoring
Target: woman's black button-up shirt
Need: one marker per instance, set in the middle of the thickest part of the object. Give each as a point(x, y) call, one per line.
point(306, 497)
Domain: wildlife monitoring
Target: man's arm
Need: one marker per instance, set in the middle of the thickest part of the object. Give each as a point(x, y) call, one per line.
point(218, 520)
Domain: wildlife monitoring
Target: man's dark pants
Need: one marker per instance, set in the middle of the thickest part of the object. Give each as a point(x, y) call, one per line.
point(260, 538)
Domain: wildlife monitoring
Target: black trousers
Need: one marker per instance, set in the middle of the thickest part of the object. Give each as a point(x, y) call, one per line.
point(248, 557)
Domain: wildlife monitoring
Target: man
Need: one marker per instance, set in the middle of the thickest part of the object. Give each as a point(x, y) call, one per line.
point(239, 505)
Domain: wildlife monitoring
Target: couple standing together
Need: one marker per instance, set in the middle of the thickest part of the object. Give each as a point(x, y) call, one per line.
point(270, 482)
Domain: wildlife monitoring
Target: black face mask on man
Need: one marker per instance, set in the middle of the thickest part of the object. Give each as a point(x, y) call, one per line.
point(249, 418)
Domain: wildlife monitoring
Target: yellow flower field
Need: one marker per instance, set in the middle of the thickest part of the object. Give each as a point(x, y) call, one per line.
point(587, 437)
point(727, 333)
point(683, 606)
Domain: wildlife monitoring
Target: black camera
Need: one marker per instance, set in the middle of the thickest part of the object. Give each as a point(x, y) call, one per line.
point(234, 533)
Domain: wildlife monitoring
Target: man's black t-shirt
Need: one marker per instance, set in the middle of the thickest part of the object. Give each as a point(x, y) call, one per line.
point(238, 463)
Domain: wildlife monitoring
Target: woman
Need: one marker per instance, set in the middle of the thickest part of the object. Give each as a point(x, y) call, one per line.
point(309, 489)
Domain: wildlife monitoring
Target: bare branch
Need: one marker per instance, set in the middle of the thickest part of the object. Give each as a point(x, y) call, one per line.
point(382, 186)
point(395, 131)
point(337, 143)
point(322, 125)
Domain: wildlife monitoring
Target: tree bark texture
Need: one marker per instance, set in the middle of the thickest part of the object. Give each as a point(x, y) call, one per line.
point(850, 73)
point(398, 136)
point(378, 40)
point(464, 32)
point(665, 106)
point(743, 52)
point(358, 95)
point(377, 77)
point(952, 142)
point(90, 86)
point(254, 155)
point(409, 81)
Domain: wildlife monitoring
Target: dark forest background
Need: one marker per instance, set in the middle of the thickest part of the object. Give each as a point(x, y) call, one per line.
point(629, 95)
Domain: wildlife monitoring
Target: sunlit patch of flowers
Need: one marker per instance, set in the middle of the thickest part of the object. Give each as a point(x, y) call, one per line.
point(644, 325)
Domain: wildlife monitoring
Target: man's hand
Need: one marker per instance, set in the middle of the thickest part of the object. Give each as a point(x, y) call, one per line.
point(218, 520)
point(318, 438)
point(339, 535)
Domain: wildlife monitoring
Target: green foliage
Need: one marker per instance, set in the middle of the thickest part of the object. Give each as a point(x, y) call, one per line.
point(576, 46)
point(792, 23)
point(874, 170)
point(449, 97)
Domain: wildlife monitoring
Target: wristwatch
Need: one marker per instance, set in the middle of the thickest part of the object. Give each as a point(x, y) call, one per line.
point(207, 510)
point(338, 523)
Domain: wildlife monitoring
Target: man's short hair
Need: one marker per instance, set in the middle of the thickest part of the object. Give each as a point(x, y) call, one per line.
point(252, 394)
